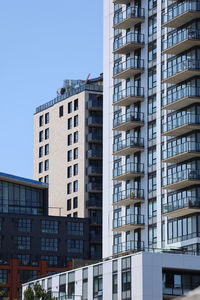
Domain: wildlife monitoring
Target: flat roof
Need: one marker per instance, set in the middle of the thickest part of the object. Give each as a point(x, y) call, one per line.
point(22, 180)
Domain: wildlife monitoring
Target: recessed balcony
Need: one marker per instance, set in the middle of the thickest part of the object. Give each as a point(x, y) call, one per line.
point(182, 207)
point(130, 246)
point(94, 171)
point(181, 179)
point(94, 187)
point(181, 125)
point(94, 203)
point(181, 14)
point(128, 171)
point(181, 41)
point(95, 121)
point(95, 104)
point(128, 18)
point(128, 146)
point(129, 43)
point(94, 137)
point(128, 197)
point(129, 96)
point(128, 68)
point(95, 154)
point(128, 223)
point(181, 152)
point(128, 121)
point(181, 98)
point(182, 71)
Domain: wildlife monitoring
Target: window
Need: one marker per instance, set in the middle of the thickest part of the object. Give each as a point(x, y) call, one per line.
point(61, 111)
point(69, 122)
point(46, 179)
point(152, 25)
point(76, 137)
point(85, 284)
point(24, 225)
point(97, 281)
point(24, 259)
point(126, 278)
point(75, 215)
point(40, 167)
point(76, 121)
point(152, 105)
point(152, 78)
point(46, 118)
point(51, 259)
point(75, 228)
point(75, 153)
point(71, 284)
point(69, 188)
point(41, 136)
point(41, 120)
point(23, 242)
point(69, 206)
point(69, 139)
point(152, 131)
point(40, 151)
point(46, 165)
point(75, 186)
point(69, 107)
point(69, 172)
point(69, 155)
point(76, 104)
point(49, 244)
point(27, 275)
point(75, 169)
point(46, 134)
point(49, 226)
point(75, 202)
point(75, 246)
point(46, 149)
point(153, 236)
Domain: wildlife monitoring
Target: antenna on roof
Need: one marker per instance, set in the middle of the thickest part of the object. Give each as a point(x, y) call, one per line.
point(87, 78)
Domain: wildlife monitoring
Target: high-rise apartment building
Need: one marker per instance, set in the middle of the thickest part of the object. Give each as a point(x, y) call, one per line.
point(152, 116)
point(68, 153)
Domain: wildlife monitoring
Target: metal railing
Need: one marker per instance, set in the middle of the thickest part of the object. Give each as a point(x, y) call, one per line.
point(128, 168)
point(128, 246)
point(188, 91)
point(130, 12)
point(181, 148)
point(132, 91)
point(131, 116)
point(186, 119)
point(188, 174)
point(188, 64)
point(128, 142)
point(188, 202)
point(180, 36)
point(131, 63)
point(128, 220)
point(129, 193)
point(132, 37)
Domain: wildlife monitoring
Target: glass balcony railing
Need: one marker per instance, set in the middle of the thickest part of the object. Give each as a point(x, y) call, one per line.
point(132, 245)
point(186, 119)
point(128, 168)
point(95, 120)
point(94, 153)
point(181, 148)
point(95, 220)
point(181, 36)
point(94, 137)
point(129, 142)
point(94, 203)
point(189, 64)
point(130, 63)
point(128, 220)
point(188, 174)
point(134, 194)
point(185, 92)
point(130, 38)
point(180, 9)
point(94, 103)
point(131, 116)
point(132, 91)
point(94, 170)
point(94, 186)
point(130, 12)
point(188, 202)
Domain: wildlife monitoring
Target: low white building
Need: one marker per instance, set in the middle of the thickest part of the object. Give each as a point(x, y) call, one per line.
point(140, 276)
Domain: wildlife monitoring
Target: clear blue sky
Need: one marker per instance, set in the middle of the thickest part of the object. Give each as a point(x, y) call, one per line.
point(42, 42)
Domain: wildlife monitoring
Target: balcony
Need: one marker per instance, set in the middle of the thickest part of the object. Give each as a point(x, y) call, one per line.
point(95, 121)
point(182, 179)
point(94, 171)
point(181, 125)
point(94, 154)
point(128, 223)
point(129, 96)
point(128, 18)
point(181, 152)
point(181, 207)
point(130, 246)
point(128, 146)
point(128, 171)
point(181, 41)
point(128, 121)
point(121, 1)
point(128, 197)
point(94, 204)
point(181, 98)
point(128, 68)
point(94, 187)
point(181, 14)
point(95, 220)
point(94, 104)
point(182, 71)
point(94, 137)
point(129, 43)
